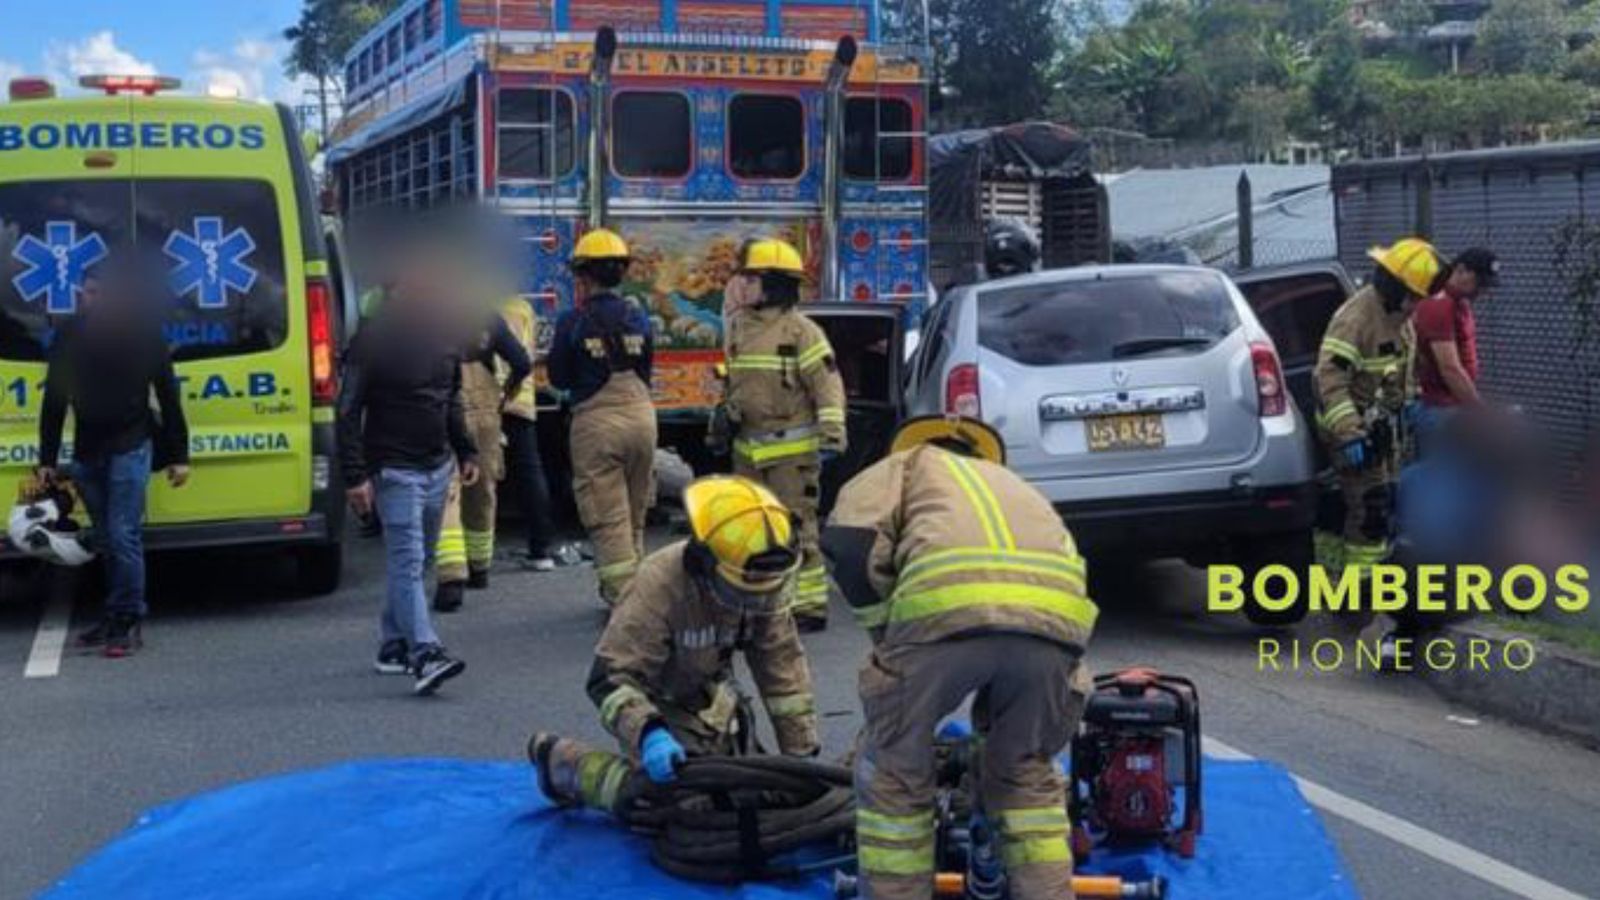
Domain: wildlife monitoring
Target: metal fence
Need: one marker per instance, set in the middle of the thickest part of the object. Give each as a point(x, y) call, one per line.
point(1539, 211)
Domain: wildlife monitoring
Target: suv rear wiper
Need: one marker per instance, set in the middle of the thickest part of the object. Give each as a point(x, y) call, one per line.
point(1141, 346)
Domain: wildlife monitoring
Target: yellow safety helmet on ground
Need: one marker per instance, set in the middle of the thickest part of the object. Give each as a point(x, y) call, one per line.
point(775, 256)
point(1411, 260)
point(600, 244)
point(955, 433)
point(747, 533)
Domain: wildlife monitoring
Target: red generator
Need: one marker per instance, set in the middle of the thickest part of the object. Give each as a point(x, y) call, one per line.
point(1137, 747)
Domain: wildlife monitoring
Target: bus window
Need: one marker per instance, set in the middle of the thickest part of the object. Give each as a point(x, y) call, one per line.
point(394, 46)
point(864, 157)
point(525, 139)
point(650, 135)
point(766, 137)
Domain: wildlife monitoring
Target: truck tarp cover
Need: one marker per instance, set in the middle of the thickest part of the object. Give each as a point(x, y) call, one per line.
point(1029, 151)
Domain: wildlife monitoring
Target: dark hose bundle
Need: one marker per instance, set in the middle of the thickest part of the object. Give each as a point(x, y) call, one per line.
point(725, 818)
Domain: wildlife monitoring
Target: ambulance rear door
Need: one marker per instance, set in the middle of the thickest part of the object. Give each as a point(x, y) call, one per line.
point(214, 199)
point(64, 208)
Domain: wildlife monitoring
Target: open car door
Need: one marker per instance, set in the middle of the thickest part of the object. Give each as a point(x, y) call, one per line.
point(868, 341)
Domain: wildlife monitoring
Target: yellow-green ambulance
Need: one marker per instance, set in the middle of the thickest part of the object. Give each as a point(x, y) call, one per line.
point(220, 192)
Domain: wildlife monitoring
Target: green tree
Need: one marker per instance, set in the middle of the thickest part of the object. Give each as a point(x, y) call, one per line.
point(1341, 105)
point(1524, 36)
point(1584, 65)
point(318, 42)
point(1409, 18)
point(1261, 118)
point(992, 58)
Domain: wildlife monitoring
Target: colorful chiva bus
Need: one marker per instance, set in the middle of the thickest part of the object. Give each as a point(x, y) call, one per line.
point(712, 120)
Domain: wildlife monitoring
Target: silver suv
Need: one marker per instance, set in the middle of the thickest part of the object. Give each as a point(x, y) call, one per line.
point(1147, 402)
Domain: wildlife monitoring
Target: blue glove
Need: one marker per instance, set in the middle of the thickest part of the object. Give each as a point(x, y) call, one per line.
point(1411, 413)
point(828, 455)
point(1354, 453)
point(662, 753)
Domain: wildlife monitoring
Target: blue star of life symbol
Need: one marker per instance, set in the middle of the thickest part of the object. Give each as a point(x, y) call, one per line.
point(210, 264)
point(56, 265)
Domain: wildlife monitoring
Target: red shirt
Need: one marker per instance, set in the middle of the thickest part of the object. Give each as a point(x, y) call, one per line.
point(1444, 318)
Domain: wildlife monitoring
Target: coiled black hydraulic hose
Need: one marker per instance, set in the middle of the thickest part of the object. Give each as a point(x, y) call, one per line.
point(724, 819)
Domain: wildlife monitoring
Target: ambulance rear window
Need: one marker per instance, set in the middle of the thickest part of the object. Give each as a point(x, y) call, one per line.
point(219, 241)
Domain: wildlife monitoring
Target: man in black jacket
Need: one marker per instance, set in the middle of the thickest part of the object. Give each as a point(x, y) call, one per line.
point(402, 434)
point(104, 364)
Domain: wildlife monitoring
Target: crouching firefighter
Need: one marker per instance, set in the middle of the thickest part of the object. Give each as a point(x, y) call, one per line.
point(786, 405)
point(969, 584)
point(601, 356)
point(1364, 386)
point(663, 673)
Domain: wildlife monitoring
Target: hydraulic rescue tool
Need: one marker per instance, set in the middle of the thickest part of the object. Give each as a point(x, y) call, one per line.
point(1136, 763)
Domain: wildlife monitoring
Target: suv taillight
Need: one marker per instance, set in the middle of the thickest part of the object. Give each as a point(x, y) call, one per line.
point(961, 392)
point(1270, 389)
point(319, 327)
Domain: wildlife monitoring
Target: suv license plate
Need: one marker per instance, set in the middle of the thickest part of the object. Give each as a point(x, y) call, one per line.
point(1142, 431)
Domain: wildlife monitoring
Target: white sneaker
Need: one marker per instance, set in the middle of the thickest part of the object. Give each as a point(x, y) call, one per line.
point(539, 563)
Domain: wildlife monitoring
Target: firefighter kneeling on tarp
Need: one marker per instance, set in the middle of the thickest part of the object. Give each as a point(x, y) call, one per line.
point(969, 585)
point(663, 671)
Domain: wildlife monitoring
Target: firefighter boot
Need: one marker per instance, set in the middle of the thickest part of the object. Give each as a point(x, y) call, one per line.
point(572, 774)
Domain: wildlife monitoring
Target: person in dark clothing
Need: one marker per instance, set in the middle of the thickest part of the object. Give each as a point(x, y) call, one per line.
point(601, 356)
point(524, 463)
point(402, 436)
point(103, 366)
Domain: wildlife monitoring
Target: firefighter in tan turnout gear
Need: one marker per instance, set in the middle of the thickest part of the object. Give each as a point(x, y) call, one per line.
point(466, 535)
point(786, 405)
point(1364, 386)
point(601, 356)
point(663, 673)
point(969, 584)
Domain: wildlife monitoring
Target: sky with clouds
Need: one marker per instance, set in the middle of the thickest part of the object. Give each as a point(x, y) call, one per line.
point(229, 43)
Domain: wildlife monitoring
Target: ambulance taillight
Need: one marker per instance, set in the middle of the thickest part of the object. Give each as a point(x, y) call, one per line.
point(31, 89)
point(148, 85)
point(319, 327)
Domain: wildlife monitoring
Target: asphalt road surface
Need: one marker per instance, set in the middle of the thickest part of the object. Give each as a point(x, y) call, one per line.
point(239, 680)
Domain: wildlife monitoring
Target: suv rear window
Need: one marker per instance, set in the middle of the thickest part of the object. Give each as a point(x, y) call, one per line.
point(219, 241)
point(1088, 321)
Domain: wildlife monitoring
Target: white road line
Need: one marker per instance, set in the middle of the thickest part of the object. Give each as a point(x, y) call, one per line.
point(44, 660)
point(1479, 865)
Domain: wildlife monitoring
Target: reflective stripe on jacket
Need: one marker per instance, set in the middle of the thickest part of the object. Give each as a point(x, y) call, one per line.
point(959, 546)
point(783, 379)
point(670, 644)
point(1366, 356)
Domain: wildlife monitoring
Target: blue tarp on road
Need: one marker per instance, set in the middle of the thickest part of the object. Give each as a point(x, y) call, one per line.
point(424, 829)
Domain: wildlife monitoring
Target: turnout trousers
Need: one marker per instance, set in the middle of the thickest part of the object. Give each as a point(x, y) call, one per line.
point(1369, 496)
point(1030, 695)
point(796, 481)
point(613, 473)
point(466, 539)
point(591, 778)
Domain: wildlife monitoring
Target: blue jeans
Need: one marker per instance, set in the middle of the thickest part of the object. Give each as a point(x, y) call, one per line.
point(411, 506)
point(113, 487)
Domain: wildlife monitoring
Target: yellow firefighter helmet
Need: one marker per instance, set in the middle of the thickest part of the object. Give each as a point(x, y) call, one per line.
point(599, 244)
point(746, 530)
point(773, 255)
point(1413, 261)
point(958, 433)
